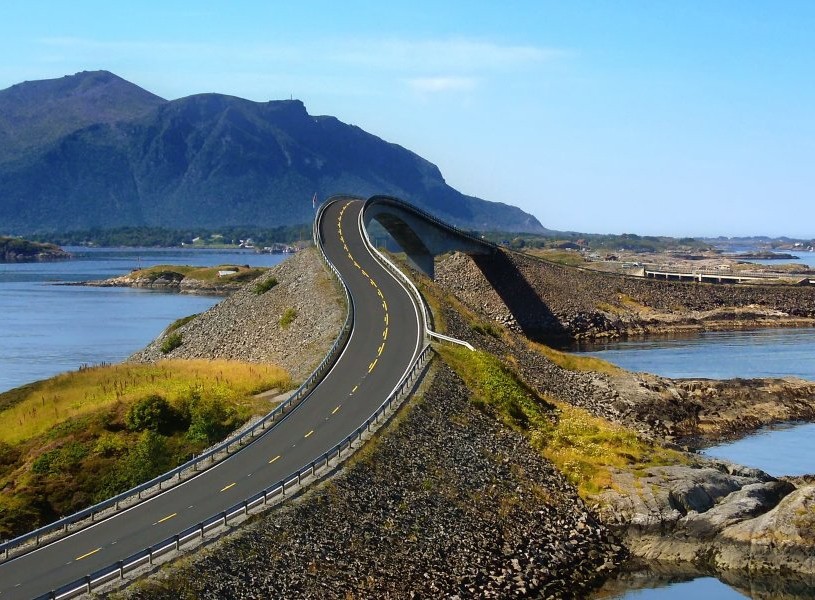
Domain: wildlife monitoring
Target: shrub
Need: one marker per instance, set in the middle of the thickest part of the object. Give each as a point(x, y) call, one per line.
point(152, 413)
point(264, 286)
point(180, 322)
point(210, 419)
point(171, 342)
point(288, 316)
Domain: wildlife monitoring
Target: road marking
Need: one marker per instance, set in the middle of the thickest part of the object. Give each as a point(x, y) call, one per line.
point(356, 264)
point(274, 459)
point(227, 487)
point(378, 291)
point(385, 306)
point(373, 283)
point(355, 389)
point(91, 553)
point(386, 315)
point(385, 334)
point(364, 272)
point(334, 412)
point(167, 518)
point(309, 433)
point(372, 365)
point(381, 348)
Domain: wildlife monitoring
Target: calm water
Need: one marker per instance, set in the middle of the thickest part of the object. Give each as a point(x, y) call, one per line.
point(47, 329)
point(780, 450)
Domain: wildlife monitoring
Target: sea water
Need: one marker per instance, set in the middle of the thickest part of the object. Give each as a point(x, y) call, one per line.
point(46, 329)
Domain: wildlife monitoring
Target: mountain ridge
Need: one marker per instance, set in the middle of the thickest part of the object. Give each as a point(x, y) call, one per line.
point(204, 160)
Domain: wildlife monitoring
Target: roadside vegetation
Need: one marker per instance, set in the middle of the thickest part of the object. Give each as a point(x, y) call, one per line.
point(81, 437)
point(584, 447)
point(575, 362)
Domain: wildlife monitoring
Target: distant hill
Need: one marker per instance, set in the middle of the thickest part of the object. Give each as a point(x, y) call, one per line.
point(93, 150)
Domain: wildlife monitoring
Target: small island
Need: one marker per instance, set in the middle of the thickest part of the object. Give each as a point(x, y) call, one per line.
point(19, 250)
point(222, 279)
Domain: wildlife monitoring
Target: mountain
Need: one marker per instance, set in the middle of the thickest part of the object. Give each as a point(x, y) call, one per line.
point(93, 150)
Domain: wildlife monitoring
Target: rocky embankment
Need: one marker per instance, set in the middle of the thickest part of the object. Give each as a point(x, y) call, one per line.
point(248, 325)
point(183, 279)
point(547, 301)
point(447, 503)
point(720, 516)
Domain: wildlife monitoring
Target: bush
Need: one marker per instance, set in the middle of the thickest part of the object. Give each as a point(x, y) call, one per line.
point(180, 322)
point(288, 316)
point(210, 419)
point(171, 342)
point(153, 413)
point(264, 286)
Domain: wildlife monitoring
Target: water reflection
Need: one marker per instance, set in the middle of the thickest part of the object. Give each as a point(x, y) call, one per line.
point(660, 581)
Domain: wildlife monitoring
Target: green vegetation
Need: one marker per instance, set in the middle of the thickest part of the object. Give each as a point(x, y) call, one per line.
point(575, 362)
point(559, 240)
point(289, 315)
point(242, 274)
point(171, 342)
point(20, 249)
point(158, 237)
point(178, 323)
point(80, 437)
point(582, 446)
point(265, 285)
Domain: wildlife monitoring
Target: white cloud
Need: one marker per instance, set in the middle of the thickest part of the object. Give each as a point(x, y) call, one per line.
point(428, 85)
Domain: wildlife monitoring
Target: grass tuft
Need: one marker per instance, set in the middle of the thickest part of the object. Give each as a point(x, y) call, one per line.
point(288, 316)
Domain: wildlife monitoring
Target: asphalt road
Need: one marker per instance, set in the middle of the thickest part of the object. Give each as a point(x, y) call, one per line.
point(385, 339)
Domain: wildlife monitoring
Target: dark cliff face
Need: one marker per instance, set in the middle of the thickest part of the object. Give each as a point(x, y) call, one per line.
point(97, 151)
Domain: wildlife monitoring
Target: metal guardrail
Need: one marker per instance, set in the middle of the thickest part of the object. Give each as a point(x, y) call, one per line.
point(48, 533)
point(275, 492)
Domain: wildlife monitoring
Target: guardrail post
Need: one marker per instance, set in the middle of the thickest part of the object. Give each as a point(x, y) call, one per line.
point(121, 569)
point(177, 538)
point(150, 550)
point(224, 518)
point(87, 584)
point(246, 507)
point(202, 531)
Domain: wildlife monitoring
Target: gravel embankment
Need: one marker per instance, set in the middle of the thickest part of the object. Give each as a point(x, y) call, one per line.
point(547, 301)
point(447, 503)
point(246, 325)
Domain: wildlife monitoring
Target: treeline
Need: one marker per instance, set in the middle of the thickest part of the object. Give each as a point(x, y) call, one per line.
point(624, 241)
point(162, 237)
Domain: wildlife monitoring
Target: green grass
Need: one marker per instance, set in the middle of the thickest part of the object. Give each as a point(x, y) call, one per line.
point(180, 322)
point(80, 437)
point(584, 447)
point(288, 316)
point(575, 362)
point(171, 342)
point(265, 285)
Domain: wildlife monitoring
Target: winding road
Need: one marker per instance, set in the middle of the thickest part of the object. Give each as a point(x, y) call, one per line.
point(386, 337)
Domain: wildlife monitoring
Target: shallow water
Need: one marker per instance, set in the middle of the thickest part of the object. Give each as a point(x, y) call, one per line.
point(47, 329)
point(787, 449)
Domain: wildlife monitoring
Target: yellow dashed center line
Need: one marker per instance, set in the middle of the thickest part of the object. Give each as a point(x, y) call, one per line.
point(373, 283)
point(228, 486)
point(364, 272)
point(372, 365)
point(167, 518)
point(334, 412)
point(91, 553)
point(385, 306)
point(309, 433)
point(381, 348)
point(356, 387)
point(386, 316)
point(385, 334)
point(378, 291)
point(274, 459)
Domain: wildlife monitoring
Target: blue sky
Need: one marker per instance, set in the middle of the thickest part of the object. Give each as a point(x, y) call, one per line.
point(654, 117)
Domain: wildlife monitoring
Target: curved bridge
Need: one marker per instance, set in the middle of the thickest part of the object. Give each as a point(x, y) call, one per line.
point(421, 235)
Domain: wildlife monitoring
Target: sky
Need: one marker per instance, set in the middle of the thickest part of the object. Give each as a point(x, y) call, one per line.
point(654, 117)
